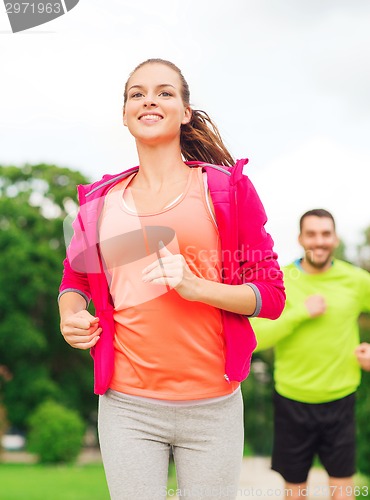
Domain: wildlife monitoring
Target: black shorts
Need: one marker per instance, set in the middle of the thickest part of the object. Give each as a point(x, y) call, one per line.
point(302, 430)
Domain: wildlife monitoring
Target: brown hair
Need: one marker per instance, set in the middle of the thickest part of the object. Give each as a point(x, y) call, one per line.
point(317, 212)
point(200, 139)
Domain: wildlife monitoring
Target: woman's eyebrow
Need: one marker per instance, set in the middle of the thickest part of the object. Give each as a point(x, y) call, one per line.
point(135, 87)
point(165, 85)
point(158, 86)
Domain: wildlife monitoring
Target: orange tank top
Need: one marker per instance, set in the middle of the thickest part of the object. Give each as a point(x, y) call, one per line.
point(165, 346)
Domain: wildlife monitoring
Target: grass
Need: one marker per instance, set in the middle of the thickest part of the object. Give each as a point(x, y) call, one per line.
point(172, 481)
point(20, 481)
point(37, 482)
point(62, 482)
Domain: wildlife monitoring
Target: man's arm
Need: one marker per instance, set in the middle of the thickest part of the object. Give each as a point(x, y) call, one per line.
point(269, 333)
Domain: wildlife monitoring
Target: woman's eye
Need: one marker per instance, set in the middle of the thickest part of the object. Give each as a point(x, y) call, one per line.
point(165, 94)
point(137, 94)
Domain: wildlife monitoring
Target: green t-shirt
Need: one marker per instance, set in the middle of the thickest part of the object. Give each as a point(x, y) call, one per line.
point(314, 357)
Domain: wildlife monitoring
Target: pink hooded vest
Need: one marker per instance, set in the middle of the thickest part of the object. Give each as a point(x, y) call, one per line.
point(247, 257)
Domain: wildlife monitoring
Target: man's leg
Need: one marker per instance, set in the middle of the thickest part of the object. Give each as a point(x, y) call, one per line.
point(341, 487)
point(337, 447)
point(295, 443)
point(295, 491)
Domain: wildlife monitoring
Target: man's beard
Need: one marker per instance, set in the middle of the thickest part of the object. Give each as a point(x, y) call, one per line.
point(317, 265)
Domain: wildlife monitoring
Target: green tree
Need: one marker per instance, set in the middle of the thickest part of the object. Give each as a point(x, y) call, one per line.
point(340, 251)
point(364, 251)
point(363, 393)
point(34, 200)
point(363, 407)
point(257, 396)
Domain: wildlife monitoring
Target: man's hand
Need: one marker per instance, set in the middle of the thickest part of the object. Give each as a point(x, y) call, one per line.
point(315, 305)
point(362, 353)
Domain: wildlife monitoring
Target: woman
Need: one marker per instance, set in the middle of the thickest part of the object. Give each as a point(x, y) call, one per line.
point(175, 257)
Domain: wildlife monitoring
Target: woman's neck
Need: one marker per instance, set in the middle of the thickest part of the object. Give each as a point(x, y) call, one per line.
point(160, 166)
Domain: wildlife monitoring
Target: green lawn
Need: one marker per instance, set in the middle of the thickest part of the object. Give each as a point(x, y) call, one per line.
point(63, 482)
point(75, 482)
point(36, 482)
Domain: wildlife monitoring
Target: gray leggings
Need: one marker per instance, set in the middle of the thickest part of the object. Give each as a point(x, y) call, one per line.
point(135, 440)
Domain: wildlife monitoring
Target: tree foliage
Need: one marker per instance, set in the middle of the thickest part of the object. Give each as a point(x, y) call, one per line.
point(364, 251)
point(34, 200)
point(258, 412)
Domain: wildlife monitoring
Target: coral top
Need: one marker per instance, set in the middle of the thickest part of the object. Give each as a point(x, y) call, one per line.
point(165, 346)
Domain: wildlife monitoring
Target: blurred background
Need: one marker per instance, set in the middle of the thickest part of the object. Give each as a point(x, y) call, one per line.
point(288, 84)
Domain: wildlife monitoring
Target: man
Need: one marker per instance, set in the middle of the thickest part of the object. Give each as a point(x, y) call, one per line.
point(317, 370)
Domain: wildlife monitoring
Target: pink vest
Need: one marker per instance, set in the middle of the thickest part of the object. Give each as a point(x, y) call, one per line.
point(165, 346)
point(247, 256)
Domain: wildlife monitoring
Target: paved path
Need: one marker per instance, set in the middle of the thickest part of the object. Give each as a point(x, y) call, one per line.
point(259, 481)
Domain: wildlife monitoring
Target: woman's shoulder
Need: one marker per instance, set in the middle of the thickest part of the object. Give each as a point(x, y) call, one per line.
point(107, 181)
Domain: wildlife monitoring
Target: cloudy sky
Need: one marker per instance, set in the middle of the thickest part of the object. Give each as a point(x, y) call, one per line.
point(287, 82)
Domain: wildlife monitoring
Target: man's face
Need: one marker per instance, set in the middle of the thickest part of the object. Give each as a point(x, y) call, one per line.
point(319, 240)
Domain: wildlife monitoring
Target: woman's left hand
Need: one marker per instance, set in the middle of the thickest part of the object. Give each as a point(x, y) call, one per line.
point(173, 271)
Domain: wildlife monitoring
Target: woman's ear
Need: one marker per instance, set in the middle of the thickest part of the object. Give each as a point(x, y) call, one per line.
point(124, 117)
point(187, 115)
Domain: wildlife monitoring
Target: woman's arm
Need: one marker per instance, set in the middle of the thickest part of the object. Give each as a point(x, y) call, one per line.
point(79, 328)
point(240, 299)
point(173, 271)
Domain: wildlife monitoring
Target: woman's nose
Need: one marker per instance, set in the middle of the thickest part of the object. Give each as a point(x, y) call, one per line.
point(149, 101)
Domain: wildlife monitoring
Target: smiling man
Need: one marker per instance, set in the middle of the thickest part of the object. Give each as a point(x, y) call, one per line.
point(316, 369)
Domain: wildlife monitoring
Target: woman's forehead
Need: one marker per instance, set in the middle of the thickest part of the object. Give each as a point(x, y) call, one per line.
point(154, 73)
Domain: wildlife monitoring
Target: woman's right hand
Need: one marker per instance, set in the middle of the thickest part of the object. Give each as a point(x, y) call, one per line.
point(80, 330)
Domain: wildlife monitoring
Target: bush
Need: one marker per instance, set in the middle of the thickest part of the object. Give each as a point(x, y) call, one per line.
point(55, 433)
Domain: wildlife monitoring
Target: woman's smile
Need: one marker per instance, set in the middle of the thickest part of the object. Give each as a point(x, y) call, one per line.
point(150, 117)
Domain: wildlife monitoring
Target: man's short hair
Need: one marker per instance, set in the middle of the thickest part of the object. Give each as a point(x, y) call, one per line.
point(317, 212)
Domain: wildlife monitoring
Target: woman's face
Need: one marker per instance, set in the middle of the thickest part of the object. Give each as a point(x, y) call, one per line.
point(154, 110)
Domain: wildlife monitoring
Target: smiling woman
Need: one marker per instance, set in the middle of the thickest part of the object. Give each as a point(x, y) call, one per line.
point(174, 268)
point(154, 109)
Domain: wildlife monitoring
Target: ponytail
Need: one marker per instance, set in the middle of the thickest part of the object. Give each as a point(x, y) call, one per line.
point(200, 140)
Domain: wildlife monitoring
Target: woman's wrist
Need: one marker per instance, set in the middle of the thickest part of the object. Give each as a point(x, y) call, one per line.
point(240, 299)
